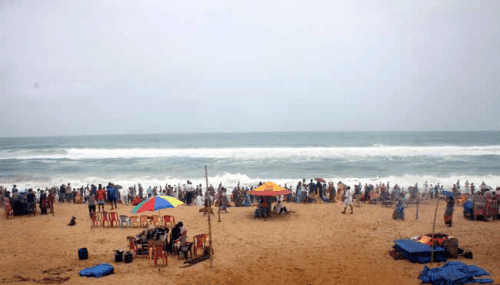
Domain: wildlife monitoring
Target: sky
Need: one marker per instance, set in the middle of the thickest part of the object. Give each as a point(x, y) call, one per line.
point(132, 67)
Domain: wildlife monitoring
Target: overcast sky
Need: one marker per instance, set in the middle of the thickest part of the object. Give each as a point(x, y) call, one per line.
point(112, 67)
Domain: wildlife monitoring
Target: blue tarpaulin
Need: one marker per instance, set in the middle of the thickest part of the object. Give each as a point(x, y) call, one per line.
point(419, 252)
point(98, 270)
point(453, 272)
point(448, 194)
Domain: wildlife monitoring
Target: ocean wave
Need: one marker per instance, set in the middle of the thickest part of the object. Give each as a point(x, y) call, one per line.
point(255, 153)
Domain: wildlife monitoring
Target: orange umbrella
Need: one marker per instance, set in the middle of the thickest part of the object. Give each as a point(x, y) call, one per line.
point(269, 189)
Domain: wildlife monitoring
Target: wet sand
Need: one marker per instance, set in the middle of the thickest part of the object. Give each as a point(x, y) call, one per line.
point(316, 244)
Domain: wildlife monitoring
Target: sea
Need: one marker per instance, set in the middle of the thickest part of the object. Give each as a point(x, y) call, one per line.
point(405, 158)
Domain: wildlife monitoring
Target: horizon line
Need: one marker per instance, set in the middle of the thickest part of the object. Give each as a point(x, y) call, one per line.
point(250, 132)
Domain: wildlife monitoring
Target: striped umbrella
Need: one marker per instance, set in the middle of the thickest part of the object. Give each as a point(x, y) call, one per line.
point(156, 203)
point(269, 189)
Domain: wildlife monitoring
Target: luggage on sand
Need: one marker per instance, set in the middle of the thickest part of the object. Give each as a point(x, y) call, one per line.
point(83, 254)
point(128, 257)
point(119, 256)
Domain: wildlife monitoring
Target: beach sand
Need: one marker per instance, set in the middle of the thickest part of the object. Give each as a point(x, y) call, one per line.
point(315, 245)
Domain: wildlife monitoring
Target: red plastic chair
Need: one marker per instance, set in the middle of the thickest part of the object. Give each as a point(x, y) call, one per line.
point(156, 219)
point(144, 220)
point(113, 219)
point(168, 219)
point(134, 220)
point(133, 245)
point(104, 218)
point(200, 242)
point(95, 219)
point(159, 252)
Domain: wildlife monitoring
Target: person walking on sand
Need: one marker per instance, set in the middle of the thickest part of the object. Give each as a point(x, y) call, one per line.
point(448, 213)
point(348, 199)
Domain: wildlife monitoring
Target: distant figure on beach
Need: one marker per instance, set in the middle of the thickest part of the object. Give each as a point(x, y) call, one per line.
point(92, 202)
point(319, 191)
point(399, 211)
point(101, 197)
point(348, 200)
point(43, 203)
point(448, 213)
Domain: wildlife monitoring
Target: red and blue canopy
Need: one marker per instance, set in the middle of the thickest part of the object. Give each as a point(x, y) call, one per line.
point(156, 203)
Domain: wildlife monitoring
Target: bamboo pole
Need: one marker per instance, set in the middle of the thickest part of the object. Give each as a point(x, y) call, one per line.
point(208, 209)
point(433, 228)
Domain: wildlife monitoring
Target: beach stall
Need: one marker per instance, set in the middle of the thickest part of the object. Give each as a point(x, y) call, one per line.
point(267, 191)
point(485, 207)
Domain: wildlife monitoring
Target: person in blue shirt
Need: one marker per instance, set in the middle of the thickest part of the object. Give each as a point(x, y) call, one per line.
point(111, 195)
point(312, 187)
point(31, 201)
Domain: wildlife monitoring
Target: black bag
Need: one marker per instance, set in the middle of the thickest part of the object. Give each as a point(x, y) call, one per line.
point(83, 253)
point(119, 256)
point(128, 257)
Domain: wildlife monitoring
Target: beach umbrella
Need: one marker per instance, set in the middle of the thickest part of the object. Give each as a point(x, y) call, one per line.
point(269, 189)
point(320, 180)
point(156, 203)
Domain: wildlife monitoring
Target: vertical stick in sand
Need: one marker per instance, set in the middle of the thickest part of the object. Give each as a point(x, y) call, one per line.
point(417, 209)
point(208, 210)
point(433, 228)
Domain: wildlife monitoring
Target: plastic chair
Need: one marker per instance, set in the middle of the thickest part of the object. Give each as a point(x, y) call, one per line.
point(113, 218)
point(104, 217)
point(200, 242)
point(156, 219)
point(144, 220)
point(168, 219)
point(134, 220)
point(159, 252)
point(124, 219)
point(95, 219)
point(133, 245)
point(151, 249)
point(181, 243)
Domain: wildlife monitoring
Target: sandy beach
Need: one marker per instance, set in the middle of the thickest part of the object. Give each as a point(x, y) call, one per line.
point(314, 245)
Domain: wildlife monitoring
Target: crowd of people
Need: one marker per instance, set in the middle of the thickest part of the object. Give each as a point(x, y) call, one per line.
point(314, 191)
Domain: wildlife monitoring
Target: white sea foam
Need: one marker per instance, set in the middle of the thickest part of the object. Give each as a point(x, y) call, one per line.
point(258, 153)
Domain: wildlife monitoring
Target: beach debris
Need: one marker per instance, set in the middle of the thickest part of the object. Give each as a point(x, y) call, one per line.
point(45, 280)
point(454, 272)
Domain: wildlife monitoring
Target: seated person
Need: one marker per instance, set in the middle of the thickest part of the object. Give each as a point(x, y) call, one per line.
point(183, 229)
point(175, 234)
point(278, 208)
point(247, 202)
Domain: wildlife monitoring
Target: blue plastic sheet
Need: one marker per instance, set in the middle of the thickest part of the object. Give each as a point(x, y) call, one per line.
point(98, 270)
point(454, 272)
point(419, 252)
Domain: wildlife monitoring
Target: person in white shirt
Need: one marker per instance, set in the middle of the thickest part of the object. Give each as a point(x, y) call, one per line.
point(348, 199)
point(278, 208)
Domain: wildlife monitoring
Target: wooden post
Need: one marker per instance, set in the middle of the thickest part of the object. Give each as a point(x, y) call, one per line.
point(418, 200)
point(433, 228)
point(208, 210)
